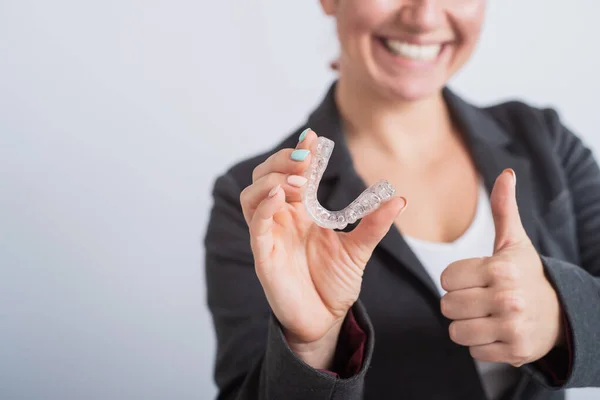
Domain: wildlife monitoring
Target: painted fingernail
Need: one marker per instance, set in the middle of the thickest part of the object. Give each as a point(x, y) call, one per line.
point(299, 155)
point(274, 191)
point(296, 180)
point(303, 135)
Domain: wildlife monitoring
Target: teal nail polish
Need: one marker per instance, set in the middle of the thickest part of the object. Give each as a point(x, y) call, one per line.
point(299, 155)
point(303, 135)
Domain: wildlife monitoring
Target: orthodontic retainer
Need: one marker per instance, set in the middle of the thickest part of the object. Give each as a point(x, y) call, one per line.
point(367, 202)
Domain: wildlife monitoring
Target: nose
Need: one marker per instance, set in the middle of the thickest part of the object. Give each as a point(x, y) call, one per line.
point(421, 15)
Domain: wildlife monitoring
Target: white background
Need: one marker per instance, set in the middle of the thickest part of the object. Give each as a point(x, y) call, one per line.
point(115, 118)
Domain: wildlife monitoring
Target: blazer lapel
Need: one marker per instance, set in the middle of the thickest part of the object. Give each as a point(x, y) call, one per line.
point(492, 151)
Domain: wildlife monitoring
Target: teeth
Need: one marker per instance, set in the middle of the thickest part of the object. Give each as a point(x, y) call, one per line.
point(413, 51)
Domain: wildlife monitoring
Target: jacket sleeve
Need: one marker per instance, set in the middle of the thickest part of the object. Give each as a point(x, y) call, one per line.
point(253, 360)
point(578, 286)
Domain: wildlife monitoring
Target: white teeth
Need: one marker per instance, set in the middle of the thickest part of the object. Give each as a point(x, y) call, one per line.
point(413, 51)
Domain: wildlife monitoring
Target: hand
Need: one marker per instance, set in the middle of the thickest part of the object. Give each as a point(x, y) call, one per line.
point(311, 276)
point(503, 306)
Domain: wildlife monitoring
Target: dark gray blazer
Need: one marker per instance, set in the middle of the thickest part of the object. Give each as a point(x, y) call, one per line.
point(408, 353)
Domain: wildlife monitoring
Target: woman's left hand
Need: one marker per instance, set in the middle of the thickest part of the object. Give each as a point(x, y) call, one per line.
point(503, 307)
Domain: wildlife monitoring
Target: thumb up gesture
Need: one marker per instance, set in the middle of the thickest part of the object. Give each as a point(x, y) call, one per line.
point(503, 307)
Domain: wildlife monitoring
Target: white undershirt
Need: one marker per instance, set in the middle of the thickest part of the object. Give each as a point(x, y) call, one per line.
point(476, 241)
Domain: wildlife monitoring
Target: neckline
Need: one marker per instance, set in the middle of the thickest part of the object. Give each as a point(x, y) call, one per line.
point(472, 229)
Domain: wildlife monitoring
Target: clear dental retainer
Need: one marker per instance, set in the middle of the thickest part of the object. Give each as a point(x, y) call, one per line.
point(367, 202)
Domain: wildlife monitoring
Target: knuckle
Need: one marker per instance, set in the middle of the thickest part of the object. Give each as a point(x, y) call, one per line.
point(267, 182)
point(495, 270)
point(520, 353)
point(272, 179)
point(244, 196)
point(255, 172)
point(504, 271)
point(454, 333)
point(444, 278)
point(445, 306)
point(514, 329)
point(510, 301)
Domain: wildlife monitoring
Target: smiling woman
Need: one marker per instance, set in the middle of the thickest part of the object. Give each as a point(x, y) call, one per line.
point(401, 50)
point(462, 287)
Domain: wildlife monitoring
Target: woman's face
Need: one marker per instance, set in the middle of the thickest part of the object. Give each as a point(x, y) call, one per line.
point(406, 48)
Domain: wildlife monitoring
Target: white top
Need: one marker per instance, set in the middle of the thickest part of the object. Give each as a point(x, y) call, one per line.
point(476, 241)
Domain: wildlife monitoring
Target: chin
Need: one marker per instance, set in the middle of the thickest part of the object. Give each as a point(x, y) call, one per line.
point(411, 91)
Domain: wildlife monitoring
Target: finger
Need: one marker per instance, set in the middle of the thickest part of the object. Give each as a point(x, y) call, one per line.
point(465, 274)
point(261, 225)
point(288, 161)
point(493, 352)
point(513, 346)
point(254, 194)
point(474, 332)
point(509, 229)
point(375, 226)
point(306, 139)
point(467, 304)
point(285, 161)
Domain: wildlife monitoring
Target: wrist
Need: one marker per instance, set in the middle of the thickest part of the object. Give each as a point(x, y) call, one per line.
point(320, 353)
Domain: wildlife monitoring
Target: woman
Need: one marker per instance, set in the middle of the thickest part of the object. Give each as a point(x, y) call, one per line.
point(460, 295)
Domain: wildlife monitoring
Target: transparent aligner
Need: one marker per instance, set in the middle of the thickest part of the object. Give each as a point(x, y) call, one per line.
point(367, 202)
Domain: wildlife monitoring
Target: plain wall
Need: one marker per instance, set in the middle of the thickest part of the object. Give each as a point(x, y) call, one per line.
point(115, 118)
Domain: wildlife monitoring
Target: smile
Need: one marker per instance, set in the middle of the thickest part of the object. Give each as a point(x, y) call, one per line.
point(427, 52)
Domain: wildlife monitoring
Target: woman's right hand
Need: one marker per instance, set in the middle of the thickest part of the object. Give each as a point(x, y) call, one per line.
point(311, 275)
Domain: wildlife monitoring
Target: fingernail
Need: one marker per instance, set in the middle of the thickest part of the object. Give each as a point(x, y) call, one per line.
point(514, 176)
point(274, 191)
point(405, 204)
point(299, 155)
point(303, 135)
point(296, 180)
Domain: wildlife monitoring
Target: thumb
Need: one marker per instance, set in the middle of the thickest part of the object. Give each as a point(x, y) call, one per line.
point(375, 226)
point(509, 229)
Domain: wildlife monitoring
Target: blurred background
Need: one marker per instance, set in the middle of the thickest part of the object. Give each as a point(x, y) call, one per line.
point(115, 118)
